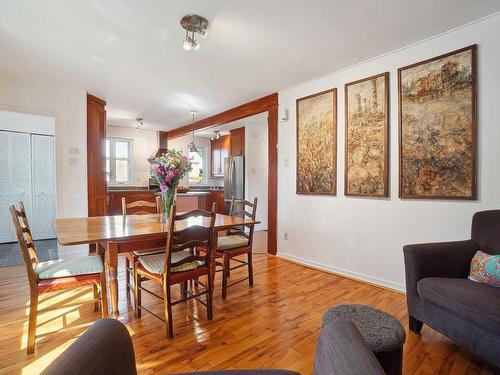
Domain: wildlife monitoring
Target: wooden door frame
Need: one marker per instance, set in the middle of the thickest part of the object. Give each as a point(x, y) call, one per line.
point(267, 104)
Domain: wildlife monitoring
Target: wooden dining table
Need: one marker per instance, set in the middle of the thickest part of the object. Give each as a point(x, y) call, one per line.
point(124, 233)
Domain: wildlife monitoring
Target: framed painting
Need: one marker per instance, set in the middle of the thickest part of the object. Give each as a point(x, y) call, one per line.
point(437, 127)
point(366, 172)
point(317, 143)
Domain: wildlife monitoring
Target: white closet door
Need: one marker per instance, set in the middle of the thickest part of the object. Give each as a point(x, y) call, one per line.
point(20, 167)
point(6, 233)
point(43, 186)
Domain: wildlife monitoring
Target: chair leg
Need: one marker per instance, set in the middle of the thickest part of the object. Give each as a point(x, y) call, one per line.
point(225, 274)
point(167, 300)
point(210, 294)
point(127, 274)
point(32, 322)
point(183, 286)
point(137, 293)
point(250, 268)
point(96, 297)
point(104, 296)
point(415, 325)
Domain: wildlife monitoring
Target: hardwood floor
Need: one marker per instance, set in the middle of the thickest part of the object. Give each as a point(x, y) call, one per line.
point(275, 324)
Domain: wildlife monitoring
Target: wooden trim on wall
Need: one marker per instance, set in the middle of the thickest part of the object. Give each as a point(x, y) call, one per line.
point(96, 163)
point(267, 104)
point(237, 113)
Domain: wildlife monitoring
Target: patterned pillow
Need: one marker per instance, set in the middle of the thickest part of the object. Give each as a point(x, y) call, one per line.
point(485, 268)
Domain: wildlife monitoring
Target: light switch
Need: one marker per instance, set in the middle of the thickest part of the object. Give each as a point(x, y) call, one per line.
point(74, 151)
point(286, 162)
point(74, 161)
point(253, 170)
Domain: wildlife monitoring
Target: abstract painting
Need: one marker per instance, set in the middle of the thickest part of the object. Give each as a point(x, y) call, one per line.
point(437, 119)
point(317, 143)
point(367, 137)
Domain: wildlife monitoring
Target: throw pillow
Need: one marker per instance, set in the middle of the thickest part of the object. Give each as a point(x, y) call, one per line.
point(485, 268)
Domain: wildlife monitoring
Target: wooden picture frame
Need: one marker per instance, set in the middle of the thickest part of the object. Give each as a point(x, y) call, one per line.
point(316, 126)
point(367, 115)
point(436, 94)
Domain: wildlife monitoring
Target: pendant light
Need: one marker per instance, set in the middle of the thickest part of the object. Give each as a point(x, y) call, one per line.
point(192, 145)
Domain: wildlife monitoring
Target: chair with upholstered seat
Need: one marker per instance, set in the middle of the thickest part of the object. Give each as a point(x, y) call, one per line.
point(55, 274)
point(178, 264)
point(140, 207)
point(238, 241)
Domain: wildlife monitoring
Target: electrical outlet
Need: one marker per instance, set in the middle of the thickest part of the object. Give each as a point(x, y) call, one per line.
point(285, 236)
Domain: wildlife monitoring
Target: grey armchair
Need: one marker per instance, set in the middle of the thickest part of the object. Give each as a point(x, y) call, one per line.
point(440, 295)
point(107, 349)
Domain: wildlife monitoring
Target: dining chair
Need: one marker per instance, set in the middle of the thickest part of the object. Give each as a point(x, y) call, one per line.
point(237, 241)
point(55, 274)
point(140, 207)
point(178, 264)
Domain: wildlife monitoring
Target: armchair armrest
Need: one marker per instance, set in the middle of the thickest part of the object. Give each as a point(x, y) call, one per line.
point(105, 349)
point(341, 350)
point(438, 259)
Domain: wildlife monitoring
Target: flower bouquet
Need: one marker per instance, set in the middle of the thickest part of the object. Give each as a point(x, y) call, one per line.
point(168, 171)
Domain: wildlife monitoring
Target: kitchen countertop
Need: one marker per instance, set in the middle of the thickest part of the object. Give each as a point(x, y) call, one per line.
point(193, 194)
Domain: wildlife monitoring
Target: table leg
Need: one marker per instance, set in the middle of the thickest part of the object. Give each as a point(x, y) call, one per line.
point(112, 260)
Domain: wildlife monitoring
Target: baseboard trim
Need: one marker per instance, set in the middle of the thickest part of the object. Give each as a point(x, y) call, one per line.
point(380, 283)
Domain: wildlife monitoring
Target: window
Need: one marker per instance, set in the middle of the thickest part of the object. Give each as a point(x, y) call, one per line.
point(199, 163)
point(118, 160)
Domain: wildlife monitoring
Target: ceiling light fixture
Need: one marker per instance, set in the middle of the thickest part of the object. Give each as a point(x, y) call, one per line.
point(192, 145)
point(193, 24)
point(217, 135)
point(138, 123)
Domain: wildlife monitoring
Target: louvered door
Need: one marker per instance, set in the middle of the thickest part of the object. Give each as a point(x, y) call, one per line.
point(5, 225)
point(43, 202)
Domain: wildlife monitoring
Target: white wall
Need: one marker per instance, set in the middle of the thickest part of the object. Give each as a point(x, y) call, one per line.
point(363, 237)
point(27, 123)
point(256, 168)
point(68, 105)
point(144, 143)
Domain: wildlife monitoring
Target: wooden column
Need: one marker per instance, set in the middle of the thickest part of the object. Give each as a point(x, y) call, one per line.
point(272, 180)
point(96, 156)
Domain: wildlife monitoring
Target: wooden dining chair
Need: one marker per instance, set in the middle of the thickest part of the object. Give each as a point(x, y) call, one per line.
point(178, 264)
point(55, 274)
point(237, 241)
point(139, 207)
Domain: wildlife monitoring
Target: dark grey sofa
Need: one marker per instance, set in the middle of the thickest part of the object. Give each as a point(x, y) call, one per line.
point(106, 349)
point(440, 295)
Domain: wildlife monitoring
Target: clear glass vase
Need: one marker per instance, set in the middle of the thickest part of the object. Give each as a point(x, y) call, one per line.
point(168, 199)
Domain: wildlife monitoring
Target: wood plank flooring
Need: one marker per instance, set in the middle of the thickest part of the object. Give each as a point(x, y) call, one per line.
point(274, 324)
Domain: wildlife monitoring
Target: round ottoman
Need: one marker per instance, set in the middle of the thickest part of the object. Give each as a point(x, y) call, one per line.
point(383, 333)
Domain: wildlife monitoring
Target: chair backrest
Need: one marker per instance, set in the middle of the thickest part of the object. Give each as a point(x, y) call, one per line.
point(182, 236)
point(25, 240)
point(244, 209)
point(486, 230)
point(141, 207)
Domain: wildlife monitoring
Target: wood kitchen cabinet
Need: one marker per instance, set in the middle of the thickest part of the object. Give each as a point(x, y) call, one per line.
point(237, 142)
point(218, 198)
point(219, 149)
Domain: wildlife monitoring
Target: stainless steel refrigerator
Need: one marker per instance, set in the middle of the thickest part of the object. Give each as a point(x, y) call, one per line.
point(234, 180)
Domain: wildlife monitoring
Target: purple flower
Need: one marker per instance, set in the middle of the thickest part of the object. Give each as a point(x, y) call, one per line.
point(163, 187)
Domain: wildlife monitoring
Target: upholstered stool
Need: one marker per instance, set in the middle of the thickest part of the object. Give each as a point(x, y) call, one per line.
point(383, 333)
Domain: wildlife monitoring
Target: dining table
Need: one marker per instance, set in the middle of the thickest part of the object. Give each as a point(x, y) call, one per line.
point(117, 234)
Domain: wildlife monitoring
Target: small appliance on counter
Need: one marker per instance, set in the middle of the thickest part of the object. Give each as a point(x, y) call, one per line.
point(234, 180)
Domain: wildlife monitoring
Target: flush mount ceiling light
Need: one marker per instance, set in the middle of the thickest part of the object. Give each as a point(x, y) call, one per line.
point(193, 24)
point(217, 135)
point(192, 145)
point(138, 123)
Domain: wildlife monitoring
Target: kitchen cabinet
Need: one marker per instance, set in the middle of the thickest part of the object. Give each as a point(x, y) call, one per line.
point(219, 149)
point(237, 142)
point(218, 198)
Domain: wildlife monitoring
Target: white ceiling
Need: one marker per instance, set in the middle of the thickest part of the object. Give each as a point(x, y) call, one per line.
point(130, 52)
